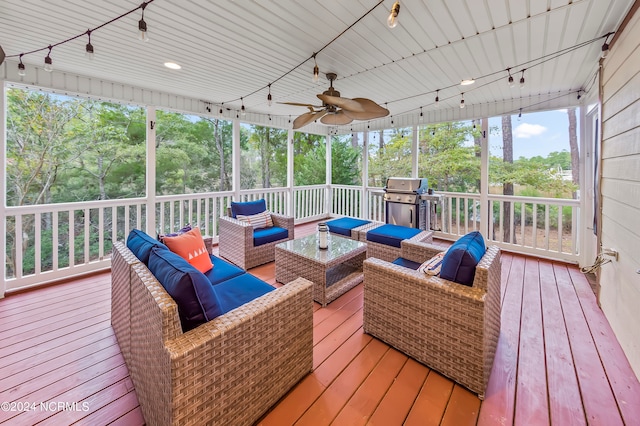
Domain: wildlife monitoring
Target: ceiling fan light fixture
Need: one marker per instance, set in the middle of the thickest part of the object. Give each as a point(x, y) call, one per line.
point(392, 19)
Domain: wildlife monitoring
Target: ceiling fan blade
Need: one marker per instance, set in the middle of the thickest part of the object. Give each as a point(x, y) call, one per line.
point(337, 119)
point(370, 110)
point(344, 103)
point(307, 118)
point(299, 104)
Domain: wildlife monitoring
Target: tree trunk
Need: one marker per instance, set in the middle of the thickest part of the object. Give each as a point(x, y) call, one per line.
point(507, 187)
point(573, 145)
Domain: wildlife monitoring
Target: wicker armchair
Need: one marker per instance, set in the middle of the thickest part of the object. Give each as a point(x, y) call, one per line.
point(390, 253)
point(236, 241)
point(449, 327)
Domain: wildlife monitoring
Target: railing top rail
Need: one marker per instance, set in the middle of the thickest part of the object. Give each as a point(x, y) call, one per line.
point(80, 205)
point(193, 196)
point(538, 200)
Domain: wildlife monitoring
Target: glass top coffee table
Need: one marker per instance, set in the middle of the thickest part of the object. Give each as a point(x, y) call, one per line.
point(333, 271)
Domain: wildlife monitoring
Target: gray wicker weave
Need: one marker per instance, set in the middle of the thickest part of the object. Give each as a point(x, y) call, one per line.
point(449, 327)
point(390, 253)
point(236, 241)
point(333, 271)
point(230, 370)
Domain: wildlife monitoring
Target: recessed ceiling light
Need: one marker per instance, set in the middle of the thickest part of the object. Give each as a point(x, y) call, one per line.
point(172, 65)
point(467, 82)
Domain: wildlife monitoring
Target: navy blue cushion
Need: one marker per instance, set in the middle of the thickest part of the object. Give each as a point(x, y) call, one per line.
point(193, 293)
point(268, 235)
point(222, 270)
point(407, 263)
point(140, 244)
point(344, 225)
point(460, 261)
point(391, 235)
point(248, 207)
point(240, 290)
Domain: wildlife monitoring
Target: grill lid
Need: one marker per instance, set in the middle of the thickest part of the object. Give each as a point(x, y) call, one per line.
point(406, 185)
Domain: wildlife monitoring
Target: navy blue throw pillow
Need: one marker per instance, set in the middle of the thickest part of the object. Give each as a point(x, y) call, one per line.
point(460, 261)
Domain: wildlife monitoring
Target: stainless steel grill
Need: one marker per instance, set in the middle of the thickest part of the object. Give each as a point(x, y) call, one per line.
point(403, 205)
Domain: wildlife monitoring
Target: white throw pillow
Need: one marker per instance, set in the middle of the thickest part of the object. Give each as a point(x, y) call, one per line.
point(433, 265)
point(258, 220)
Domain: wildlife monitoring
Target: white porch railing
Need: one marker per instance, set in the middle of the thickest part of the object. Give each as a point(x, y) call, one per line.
point(50, 242)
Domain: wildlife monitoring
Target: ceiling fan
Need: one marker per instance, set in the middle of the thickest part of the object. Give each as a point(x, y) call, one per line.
point(336, 110)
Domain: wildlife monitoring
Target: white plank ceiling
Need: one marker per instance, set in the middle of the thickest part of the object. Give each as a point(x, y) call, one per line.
point(232, 49)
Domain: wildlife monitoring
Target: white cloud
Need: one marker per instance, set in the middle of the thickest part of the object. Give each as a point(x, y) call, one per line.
point(526, 130)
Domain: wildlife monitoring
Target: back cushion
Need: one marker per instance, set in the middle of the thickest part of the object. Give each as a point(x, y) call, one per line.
point(196, 299)
point(190, 246)
point(140, 244)
point(248, 207)
point(460, 261)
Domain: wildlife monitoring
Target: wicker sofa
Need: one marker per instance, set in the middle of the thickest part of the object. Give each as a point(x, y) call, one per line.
point(450, 327)
point(229, 370)
point(236, 242)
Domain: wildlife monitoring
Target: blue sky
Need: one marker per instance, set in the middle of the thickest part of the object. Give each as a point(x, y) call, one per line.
point(533, 134)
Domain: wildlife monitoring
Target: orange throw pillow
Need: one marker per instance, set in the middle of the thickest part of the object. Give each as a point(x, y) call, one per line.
point(190, 246)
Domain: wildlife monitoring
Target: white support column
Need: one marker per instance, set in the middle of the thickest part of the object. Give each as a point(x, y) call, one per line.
point(329, 197)
point(3, 187)
point(484, 180)
point(151, 170)
point(290, 210)
point(414, 152)
point(235, 160)
point(365, 175)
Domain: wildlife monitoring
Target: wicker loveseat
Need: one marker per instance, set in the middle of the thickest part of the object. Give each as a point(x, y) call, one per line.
point(247, 247)
point(450, 327)
point(229, 370)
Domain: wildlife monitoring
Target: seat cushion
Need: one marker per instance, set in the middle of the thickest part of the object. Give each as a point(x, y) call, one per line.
point(269, 235)
point(222, 270)
point(391, 235)
point(460, 261)
point(190, 246)
point(344, 225)
point(248, 207)
point(193, 293)
point(406, 263)
point(240, 290)
point(140, 243)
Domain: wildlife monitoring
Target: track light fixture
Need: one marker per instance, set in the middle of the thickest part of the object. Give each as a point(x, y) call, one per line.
point(142, 25)
point(522, 80)
point(510, 80)
point(269, 98)
point(392, 20)
point(48, 63)
point(437, 100)
point(89, 47)
point(21, 69)
point(316, 70)
point(462, 101)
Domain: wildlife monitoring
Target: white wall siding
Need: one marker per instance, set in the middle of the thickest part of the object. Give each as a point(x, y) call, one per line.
point(620, 280)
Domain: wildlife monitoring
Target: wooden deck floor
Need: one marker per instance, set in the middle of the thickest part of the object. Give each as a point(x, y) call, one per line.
point(558, 361)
